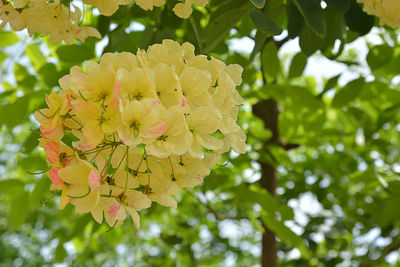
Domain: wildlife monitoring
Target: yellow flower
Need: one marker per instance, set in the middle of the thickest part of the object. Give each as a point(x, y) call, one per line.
point(185, 172)
point(195, 86)
point(20, 3)
point(176, 140)
point(145, 127)
point(184, 10)
point(99, 120)
point(8, 14)
point(57, 21)
point(202, 123)
point(136, 84)
point(387, 10)
point(140, 122)
point(149, 4)
point(96, 85)
point(82, 183)
point(51, 118)
point(169, 52)
point(107, 7)
point(167, 85)
point(115, 208)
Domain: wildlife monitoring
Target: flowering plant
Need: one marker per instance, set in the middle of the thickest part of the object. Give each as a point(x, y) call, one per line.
point(387, 10)
point(142, 126)
point(60, 19)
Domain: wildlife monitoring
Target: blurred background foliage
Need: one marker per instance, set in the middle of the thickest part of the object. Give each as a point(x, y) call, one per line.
point(337, 153)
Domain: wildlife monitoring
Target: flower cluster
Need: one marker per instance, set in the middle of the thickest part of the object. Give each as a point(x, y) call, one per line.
point(47, 18)
point(143, 127)
point(182, 10)
point(61, 22)
point(387, 10)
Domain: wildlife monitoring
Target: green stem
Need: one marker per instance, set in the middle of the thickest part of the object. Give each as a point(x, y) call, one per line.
point(127, 166)
point(119, 164)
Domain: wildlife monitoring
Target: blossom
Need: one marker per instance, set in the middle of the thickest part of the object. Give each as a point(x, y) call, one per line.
point(184, 10)
point(51, 118)
point(51, 18)
point(8, 14)
point(144, 127)
point(107, 7)
point(149, 4)
point(82, 182)
point(140, 122)
point(388, 11)
point(99, 120)
point(60, 19)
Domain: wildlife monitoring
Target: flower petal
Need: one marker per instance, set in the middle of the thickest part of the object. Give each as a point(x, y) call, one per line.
point(94, 180)
point(55, 179)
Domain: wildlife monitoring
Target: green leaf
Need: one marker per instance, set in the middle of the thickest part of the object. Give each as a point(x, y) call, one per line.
point(270, 61)
point(23, 77)
point(215, 3)
point(74, 53)
point(171, 239)
point(298, 65)
point(295, 21)
point(121, 41)
point(258, 130)
point(8, 39)
point(68, 138)
point(297, 97)
point(339, 6)
point(379, 55)
point(35, 56)
point(225, 6)
point(348, 93)
point(19, 209)
point(61, 253)
point(250, 195)
point(33, 163)
point(259, 42)
point(49, 74)
point(6, 94)
point(146, 37)
point(336, 29)
point(218, 28)
point(258, 3)
point(330, 84)
point(103, 25)
point(264, 23)
point(80, 225)
point(285, 234)
point(41, 188)
point(303, 115)
point(3, 56)
point(313, 15)
point(309, 41)
point(390, 213)
point(19, 109)
point(358, 20)
point(31, 142)
point(10, 186)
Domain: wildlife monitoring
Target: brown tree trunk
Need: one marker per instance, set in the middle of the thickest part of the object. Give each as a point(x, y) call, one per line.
point(268, 111)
